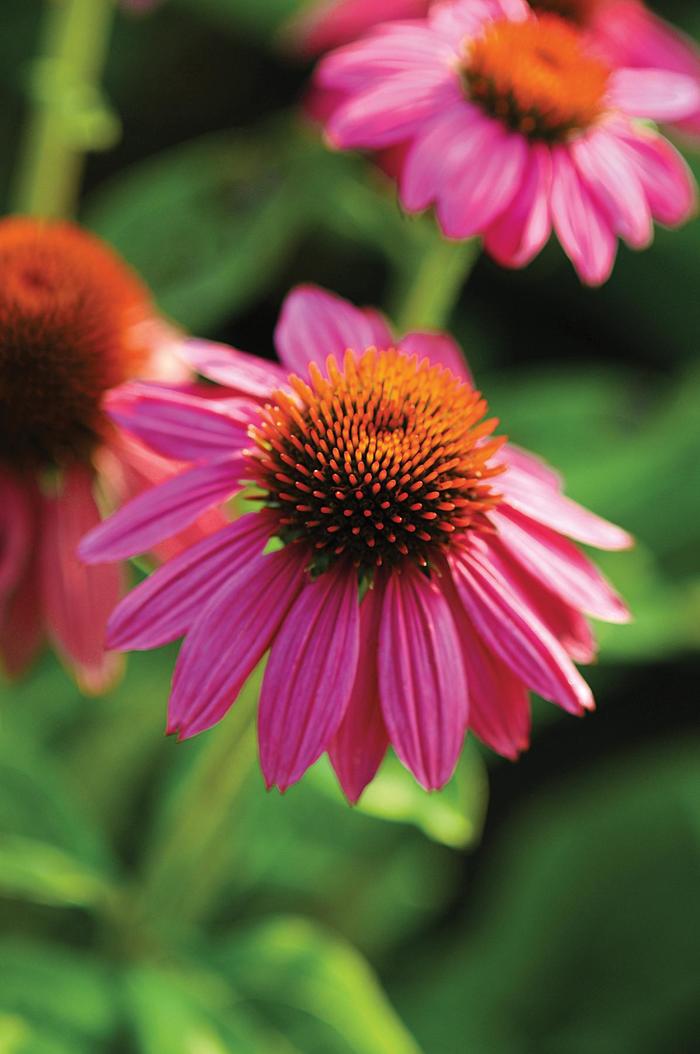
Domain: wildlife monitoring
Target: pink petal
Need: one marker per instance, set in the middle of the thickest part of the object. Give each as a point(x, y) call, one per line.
point(309, 677)
point(421, 678)
point(582, 229)
point(182, 426)
point(499, 706)
point(168, 602)
point(244, 374)
point(404, 49)
point(457, 21)
point(77, 599)
point(16, 516)
point(667, 181)
point(440, 349)
point(230, 637)
point(163, 511)
point(603, 164)
point(21, 617)
point(361, 740)
point(529, 466)
point(483, 178)
point(314, 324)
point(328, 25)
point(565, 623)
point(558, 564)
point(657, 95)
point(553, 509)
point(515, 634)
point(423, 173)
point(392, 110)
point(520, 232)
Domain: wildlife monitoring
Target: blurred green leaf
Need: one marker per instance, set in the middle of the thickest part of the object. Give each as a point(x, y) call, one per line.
point(584, 939)
point(452, 816)
point(59, 992)
point(206, 224)
point(35, 871)
point(187, 1013)
point(290, 963)
point(36, 803)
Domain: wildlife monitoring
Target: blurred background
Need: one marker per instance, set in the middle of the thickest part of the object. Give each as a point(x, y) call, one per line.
point(153, 897)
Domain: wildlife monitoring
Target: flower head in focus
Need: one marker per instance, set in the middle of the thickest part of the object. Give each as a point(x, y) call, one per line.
point(514, 124)
point(75, 323)
point(420, 583)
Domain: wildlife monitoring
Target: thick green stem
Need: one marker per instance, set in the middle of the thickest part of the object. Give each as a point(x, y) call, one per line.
point(426, 295)
point(68, 115)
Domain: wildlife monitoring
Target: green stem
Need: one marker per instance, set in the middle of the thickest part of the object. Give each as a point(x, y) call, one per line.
point(69, 116)
point(189, 854)
point(425, 296)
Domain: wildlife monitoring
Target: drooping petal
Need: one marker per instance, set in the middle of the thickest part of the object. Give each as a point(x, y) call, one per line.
point(15, 531)
point(499, 706)
point(440, 349)
point(244, 374)
point(182, 426)
point(422, 684)
point(482, 173)
point(361, 740)
point(603, 164)
point(559, 564)
point(515, 634)
point(230, 637)
point(309, 677)
point(529, 466)
point(422, 175)
point(77, 600)
point(391, 50)
point(314, 324)
point(582, 228)
point(548, 506)
point(163, 511)
point(393, 110)
point(520, 232)
point(657, 95)
point(667, 181)
point(479, 187)
point(22, 617)
point(329, 25)
point(168, 602)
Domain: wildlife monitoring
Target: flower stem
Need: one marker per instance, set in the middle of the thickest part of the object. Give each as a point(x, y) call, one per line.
point(68, 114)
point(190, 850)
point(426, 295)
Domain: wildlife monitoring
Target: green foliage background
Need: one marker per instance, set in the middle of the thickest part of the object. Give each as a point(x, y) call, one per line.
point(153, 897)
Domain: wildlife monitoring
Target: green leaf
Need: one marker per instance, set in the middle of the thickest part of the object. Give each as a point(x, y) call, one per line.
point(336, 1001)
point(207, 224)
point(190, 1013)
point(54, 990)
point(32, 870)
point(582, 937)
point(452, 816)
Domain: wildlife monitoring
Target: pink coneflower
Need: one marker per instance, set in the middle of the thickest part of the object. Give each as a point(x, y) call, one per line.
point(515, 126)
point(628, 34)
point(420, 584)
point(74, 324)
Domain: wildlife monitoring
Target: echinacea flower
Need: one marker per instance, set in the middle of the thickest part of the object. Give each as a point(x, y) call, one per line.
point(75, 322)
point(514, 126)
point(628, 34)
point(420, 583)
point(328, 24)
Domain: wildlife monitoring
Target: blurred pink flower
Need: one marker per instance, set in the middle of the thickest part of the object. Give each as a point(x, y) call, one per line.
point(514, 127)
point(421, 583)
point(625, 32)
point(74, 323)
